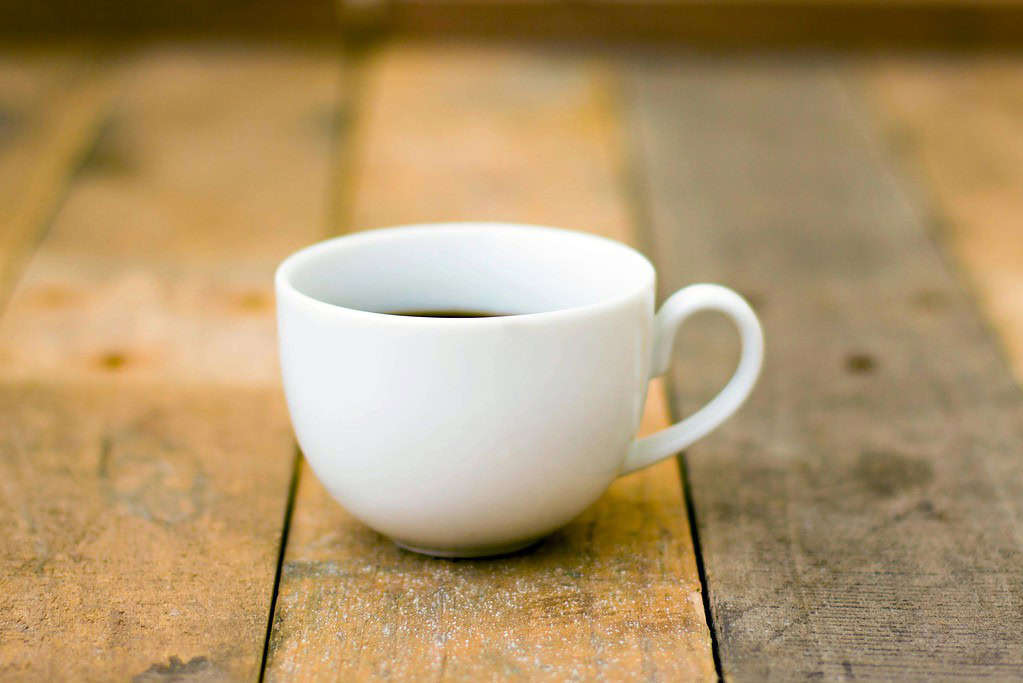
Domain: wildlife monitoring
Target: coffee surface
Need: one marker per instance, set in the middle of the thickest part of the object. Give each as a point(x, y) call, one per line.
point(449, 314)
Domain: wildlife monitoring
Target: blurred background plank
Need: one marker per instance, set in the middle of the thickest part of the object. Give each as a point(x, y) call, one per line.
point(861, 517)
point(51, 105)
point(957, 128)
point(146, 451)
point(162, 253)
point(518, 135)
point(732, 24)
point(729, 24)
point(128, 19)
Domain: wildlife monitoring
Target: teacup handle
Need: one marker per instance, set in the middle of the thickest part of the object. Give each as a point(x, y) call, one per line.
point(673, 313)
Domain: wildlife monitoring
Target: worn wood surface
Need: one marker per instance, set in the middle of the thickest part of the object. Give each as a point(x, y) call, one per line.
point(522, 136)
point(861, 516)
point(145, 452)
point(956, 127)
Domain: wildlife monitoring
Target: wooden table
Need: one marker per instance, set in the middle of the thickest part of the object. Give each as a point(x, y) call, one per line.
point(861, 517)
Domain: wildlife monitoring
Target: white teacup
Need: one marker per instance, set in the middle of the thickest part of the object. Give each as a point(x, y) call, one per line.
point(464, 437)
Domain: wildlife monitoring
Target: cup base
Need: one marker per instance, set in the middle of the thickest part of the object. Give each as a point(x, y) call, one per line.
point(482, 551)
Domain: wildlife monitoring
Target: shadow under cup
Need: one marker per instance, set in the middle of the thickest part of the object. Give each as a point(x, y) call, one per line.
point(465, 436)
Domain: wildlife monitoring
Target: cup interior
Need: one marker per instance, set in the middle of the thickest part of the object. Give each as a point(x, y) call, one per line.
point(497, 268)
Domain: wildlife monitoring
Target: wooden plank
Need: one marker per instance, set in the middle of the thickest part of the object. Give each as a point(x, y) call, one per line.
point(734, 24)
point(140, 529)
point(861, 516)
point(52, 103)
point(145, 452)
point(491, 133)
point(158, 267)
point(957, 127)
point(167, 18)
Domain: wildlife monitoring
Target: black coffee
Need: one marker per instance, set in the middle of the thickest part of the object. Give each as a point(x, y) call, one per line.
point(449, 314)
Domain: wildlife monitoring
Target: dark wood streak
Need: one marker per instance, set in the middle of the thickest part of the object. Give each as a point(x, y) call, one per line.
point(854, 523)
point(10, 121)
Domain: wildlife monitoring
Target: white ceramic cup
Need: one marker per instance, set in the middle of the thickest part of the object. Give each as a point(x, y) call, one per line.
point(465, 437)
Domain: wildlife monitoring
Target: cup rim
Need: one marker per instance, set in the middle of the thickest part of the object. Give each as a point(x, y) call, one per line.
point(284, 272)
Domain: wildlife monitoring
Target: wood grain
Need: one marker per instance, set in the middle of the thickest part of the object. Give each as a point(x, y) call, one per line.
point(956, 127)
point(140, 524)
point(51, 105)
point(145, 453)
point(490, 133)
point(861, 516)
